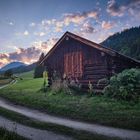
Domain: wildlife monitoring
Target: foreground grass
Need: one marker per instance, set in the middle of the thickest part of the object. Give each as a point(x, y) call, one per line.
point(6, 135)
point(97, 109)
point(26, 75)
point(77, 134)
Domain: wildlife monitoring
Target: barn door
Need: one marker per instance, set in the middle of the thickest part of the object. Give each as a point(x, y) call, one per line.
point(73, 64)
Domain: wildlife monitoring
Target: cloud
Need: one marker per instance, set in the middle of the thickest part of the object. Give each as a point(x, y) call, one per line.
point(75, 18)
point(48, 22)
point(66, 19)
point(58, 29)
point(114, 9)
point(92, 14)
point(45, 46)
point(32, 24)
point(28, 55)
point(119, 9)
point(102, 37)
point(4, 58)
point(11, 23)
point(78, 18)
point(59, 26)
point(87, 28)
point(1, 64)
point(26, 33)
point(107, 25)
point(40, 34)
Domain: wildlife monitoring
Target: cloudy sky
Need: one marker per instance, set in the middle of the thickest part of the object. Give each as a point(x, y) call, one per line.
point(25, 24)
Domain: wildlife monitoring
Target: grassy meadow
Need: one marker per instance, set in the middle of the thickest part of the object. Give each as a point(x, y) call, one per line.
point(97, 109)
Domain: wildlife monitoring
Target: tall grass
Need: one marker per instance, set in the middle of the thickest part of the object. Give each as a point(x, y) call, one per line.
point(6, 135)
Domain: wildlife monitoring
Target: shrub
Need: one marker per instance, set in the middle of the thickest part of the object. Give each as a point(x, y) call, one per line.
point(103, 81)
point(59, 86)
point(90, 90)
point(56, 86)
point(125, 85)
point(75, 86)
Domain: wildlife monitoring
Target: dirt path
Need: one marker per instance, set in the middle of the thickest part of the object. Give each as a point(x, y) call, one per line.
point(93, 128)
point(12, 82)
point(29, 132)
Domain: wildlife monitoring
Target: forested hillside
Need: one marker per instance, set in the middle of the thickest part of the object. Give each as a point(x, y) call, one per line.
point(126, 42)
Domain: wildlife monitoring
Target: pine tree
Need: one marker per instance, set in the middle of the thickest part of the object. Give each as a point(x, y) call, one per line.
point(41, 57)
point(126, 42)
point(38, 73)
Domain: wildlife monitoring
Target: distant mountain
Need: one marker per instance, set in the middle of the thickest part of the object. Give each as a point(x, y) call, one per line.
point(12, 65)
point(22, 69)
point(126, 42)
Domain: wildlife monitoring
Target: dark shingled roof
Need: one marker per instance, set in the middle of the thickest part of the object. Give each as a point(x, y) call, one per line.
point(89, 43)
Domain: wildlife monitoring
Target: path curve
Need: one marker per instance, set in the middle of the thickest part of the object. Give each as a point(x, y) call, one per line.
point(93, 128)
point(29, 132)
point(11, 83)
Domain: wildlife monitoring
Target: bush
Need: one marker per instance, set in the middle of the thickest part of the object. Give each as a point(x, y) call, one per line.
point(59, 86)
point(103, 81)
point(124, 86)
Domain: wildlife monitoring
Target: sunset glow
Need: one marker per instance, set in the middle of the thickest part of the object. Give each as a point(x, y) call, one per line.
point(30, 27)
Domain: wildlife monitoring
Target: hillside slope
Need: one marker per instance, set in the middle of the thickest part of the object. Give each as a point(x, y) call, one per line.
point(126, 42)
point(12, 65)
point(24, 68)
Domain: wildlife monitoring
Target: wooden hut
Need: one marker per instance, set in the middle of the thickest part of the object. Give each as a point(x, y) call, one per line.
point(82, 59)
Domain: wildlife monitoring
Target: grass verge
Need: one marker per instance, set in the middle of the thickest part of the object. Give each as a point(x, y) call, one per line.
point(6, 135)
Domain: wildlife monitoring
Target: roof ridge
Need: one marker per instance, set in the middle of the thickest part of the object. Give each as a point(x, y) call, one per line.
point(88, 42)
point(100, 45)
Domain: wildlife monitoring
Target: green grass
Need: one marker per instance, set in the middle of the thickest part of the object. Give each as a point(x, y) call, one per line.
point(6, 135)
point(97, 109)
point(77, 134)
point(26, 75)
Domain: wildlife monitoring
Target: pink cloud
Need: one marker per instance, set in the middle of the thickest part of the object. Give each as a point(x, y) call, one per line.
point(107, 25)
point(80, 17)
point(119, 9)
point(28, 55)
point(87, 28)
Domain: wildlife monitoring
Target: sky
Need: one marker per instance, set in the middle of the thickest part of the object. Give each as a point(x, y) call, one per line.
point(29, 27)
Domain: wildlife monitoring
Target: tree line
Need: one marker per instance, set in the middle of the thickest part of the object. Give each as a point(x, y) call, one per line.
point(126, 42)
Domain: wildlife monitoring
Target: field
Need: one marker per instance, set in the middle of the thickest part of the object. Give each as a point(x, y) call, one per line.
point(97, 109)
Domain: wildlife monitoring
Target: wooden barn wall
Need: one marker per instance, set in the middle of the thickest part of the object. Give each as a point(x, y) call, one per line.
point(120, 63)
point(94, 62)
point(56, 60)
